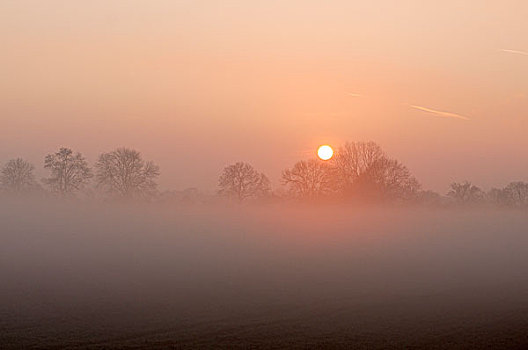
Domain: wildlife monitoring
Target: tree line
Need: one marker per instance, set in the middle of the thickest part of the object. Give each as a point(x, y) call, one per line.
point(358, 171)
point(361, 171)
point(120, 173)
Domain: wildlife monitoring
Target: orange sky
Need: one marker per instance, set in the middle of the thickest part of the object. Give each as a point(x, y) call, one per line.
point(196, 85)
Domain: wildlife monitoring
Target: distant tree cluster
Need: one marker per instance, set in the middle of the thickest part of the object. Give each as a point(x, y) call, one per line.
point(466, 193)
point(69, 172)
point(18, 177)
point(513, 195)
point(241, 181)
point(120, 174)
point(308, 179)
point(358, 171)
point(362, 171)
point(123, 173)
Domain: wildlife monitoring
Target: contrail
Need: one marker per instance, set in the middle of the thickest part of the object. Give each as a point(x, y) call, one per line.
point(524, 53)
point(439, 113)
point(352, 94)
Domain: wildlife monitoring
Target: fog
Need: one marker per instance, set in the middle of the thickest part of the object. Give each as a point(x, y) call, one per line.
point(158, 186)
point(81, 274)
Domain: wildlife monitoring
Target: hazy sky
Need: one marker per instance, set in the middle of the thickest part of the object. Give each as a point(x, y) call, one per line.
point(196, 85)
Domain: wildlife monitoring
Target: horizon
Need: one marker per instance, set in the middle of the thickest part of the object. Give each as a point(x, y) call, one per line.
point(275, 185)
point(198, 85)
point(248, 174)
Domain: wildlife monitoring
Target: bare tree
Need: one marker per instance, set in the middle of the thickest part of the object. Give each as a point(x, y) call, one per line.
point(309, 179)
point(389, 179)
point(17, 176)
point(241, 181)
point(123, 173)
point(466, 193)
point(513, 195)
point(69, 172)
point(362, 169)
point(517, 194)
point(352, 161)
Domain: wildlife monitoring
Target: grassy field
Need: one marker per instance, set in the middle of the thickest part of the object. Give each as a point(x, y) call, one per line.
point(81, 276)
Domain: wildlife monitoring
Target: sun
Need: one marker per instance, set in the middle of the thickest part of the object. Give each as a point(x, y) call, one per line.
point(325, 152)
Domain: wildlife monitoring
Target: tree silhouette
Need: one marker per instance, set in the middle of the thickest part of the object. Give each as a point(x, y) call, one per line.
point(361, 169)
point(241, 181)
point(308, 179)
point(515, 194)
point(17, 176)
point(123, 173)
point(465, 193)
point(352, 161)
point(389, 179)
point(69, 172)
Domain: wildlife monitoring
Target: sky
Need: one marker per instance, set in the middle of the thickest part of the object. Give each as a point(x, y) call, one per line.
point(197, 85)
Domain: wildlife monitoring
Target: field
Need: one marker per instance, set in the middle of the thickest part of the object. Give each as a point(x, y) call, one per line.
point(82, 276)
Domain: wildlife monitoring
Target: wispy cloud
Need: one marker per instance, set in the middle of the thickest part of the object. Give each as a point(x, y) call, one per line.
point(352, 94)
point(439, 113)
point(517, 52)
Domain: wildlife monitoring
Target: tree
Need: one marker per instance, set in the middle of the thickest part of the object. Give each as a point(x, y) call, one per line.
point(362, 169)
point(516, 194)
point(358, 169)
point(309, 179)
point(352, 161)
point(389, 179)
point(69, 172)
point(465, 193)
point(123, 173)
point(17, 176)
point(513, 195)
point(241, 181)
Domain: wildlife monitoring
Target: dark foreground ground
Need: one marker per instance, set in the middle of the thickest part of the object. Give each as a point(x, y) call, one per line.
point(80, 277)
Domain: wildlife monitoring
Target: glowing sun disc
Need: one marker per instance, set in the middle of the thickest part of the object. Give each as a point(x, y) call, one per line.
point(325, 152)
